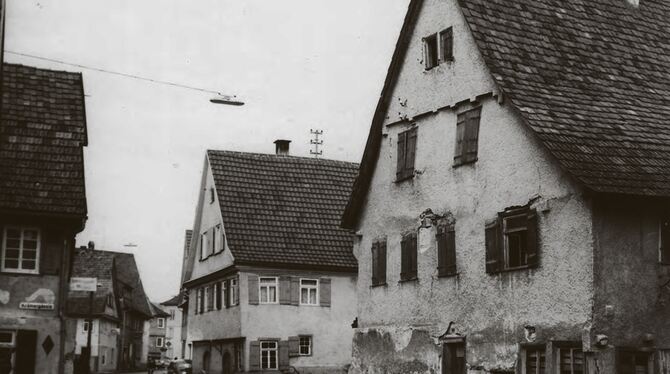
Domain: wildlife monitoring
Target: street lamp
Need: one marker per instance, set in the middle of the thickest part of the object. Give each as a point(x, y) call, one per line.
point(226, 100)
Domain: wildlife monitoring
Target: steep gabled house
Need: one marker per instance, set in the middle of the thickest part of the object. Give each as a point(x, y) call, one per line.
point(512, 201)
point(157, 333)
point(173, 325)
point(42, 208)
point(98, 313)
point(270, 277)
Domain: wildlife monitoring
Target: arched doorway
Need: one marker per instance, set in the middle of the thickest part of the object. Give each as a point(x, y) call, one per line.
point(227, 363)
point(205, 361)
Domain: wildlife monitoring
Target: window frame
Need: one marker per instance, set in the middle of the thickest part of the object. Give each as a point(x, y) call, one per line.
point(429, 42)
point(85, 326)
point(161, 340)
point(261, 350)
point(309, 346)
point(541, 350)
point(234, 291)
point(160, 322)
point(204, 245)
point(38, 250)
point(466, 126)
point(378, 257)
point(404, 171)
point(309, 288)
point(409, 257)
point(12, 337)
point(506, 240)
point(268, 285)
point(558, 346)
point(497, 241)
point(449, 31)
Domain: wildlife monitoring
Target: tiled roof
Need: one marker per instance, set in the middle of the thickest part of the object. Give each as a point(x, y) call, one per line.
point(174, 301)
point(591, 78)
point(42, 132)
point(157, 311)
point(99, 264)
point(284, 210)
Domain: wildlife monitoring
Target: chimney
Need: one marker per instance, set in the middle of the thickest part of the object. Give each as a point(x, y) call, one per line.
point(91, 245)
point(282, 147)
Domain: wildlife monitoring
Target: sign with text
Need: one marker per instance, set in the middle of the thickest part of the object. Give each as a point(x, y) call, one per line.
point(36, 306)
point(83, 284)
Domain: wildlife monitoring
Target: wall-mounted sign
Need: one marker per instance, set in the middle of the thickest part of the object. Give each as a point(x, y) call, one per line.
point(36, 306)
point(83, 284)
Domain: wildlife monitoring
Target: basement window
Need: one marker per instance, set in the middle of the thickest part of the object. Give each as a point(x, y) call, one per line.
point(511, 240)
point(430, 51)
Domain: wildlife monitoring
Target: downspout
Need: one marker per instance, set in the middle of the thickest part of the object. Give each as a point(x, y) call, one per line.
point(63, 279)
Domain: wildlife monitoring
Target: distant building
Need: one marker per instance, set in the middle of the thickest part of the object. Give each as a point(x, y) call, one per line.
point(269, 276)
point(42, 208)
point(157, 333)
point(513, 203)
point(173, 323)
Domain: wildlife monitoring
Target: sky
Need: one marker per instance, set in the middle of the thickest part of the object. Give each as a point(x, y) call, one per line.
point(297, 65)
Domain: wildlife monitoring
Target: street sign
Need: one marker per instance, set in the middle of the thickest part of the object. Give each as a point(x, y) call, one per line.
point(83, 284)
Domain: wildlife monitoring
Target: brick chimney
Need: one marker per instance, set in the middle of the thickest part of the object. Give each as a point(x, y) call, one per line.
point(281, 147)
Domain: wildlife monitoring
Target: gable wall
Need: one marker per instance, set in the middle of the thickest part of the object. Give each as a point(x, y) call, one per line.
point(512, 169)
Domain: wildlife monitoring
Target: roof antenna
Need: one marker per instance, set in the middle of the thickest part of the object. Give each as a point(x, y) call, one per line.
point(316, 142)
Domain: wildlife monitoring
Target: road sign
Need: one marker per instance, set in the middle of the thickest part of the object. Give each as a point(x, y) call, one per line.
point(83, 284)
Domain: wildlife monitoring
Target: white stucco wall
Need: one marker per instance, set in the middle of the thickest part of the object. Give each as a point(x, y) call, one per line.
point(512, 169)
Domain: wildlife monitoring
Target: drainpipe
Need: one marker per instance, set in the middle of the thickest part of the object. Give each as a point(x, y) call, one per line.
point(62, 300)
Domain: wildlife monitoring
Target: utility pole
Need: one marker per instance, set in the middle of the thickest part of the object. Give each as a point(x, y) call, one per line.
point(316, 142)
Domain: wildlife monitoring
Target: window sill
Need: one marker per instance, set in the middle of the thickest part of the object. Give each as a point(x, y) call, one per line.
point(457, 164)
point(402, 179)
point(413, 279)
point(18, 272)
point(509, 270)
point(447, 275)
point(210, 255)
point(379, 285)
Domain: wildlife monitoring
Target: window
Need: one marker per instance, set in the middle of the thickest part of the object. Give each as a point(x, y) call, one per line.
point(204, 245)
point(268, 290)
point(467, 134)
point(218, 239)
point(453, 357)
point(234, 292)
point(447, 45)
point(209, 298)
point(630, 361)
point(511, 240)
point(408, 257)
point(430, 51)
point(305, 347)
point(309, 292)
point(212, 195)
point(217, 294)
point(172, 314)
point(378, 263)
point(269, 354)
point(161, 323)
point(446, 250)
point(200, 302)
point(571, 360)
point(159, 341)
point(406, 153)
point(110, 301)
point(20, 249)
point(535, 360)
point(6, 338)
point(85, 326)
point(664, 240)
point(238, 356)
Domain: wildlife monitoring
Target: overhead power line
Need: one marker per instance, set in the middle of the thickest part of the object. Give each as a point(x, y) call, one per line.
point(131, 76)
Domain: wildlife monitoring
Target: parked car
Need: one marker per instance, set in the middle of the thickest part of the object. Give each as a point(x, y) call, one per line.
point(180, 367)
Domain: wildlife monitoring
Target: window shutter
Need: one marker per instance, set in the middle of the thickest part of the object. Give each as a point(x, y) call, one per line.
point(255, 355)
point(202, 300)
point(375, 263)
point(446, 243)
point(285, 290)
point(252, 285)
point(404, 257)
point(218, 292)
point(533, 243)
point(413, 255)
point(400, 165)
point(460, 139)
point(293, 346)
point(211, 240)
point(26, 345)
point(324, 291)
point(283, 355)
point(448, 44)
point(441, 250)
point(50, 254)
point(226, 293)
point(492, 246)
point(382, 263)
point(295, 291)
point(410, 152)
point(210, 298)
point(471, 134)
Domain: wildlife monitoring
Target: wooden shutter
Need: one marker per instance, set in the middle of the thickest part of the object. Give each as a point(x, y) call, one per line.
point(211, 240)
point(283, 355)
point(202, 300)
point(533, 243)
point(219, 294)
point(51, 252)
point(26, 346)
point(446, 251)
point(295, 291)
point(324, 291)
point(459, 148)
point(471, 134)
point(225, 293)
point(284, 289)
point(210, 298)
point(382, 263)
point(293, 346)
point(404, 257)
point(410, 152)
point(375, 263)
point(255, 354)
point(400, 164)
point(447, 37)
point(252, 285)
point(413, 252)
point(492, 246)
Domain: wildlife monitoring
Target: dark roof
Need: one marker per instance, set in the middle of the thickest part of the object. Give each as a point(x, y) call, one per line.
point(284, 210)
point(591, 78)
point(156, 311)
point(42, 132)
point(97, 263)
point(174, 301)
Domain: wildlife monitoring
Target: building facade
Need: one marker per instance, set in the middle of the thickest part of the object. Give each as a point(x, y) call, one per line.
point(42, 208)
point(173, 326)
point(157, 344)
point(499, 228)
point(269, 276)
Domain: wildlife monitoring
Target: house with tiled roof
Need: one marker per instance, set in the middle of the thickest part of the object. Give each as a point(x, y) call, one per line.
point(174, 343)
point(157, 334)
point(118, 313)
point(42, 208)
point(270, 275)
point(512, 201)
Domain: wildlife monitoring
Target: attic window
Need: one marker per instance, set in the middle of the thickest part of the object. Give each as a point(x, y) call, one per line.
point(211, 195)
point(430, 51)
point(447, 45)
